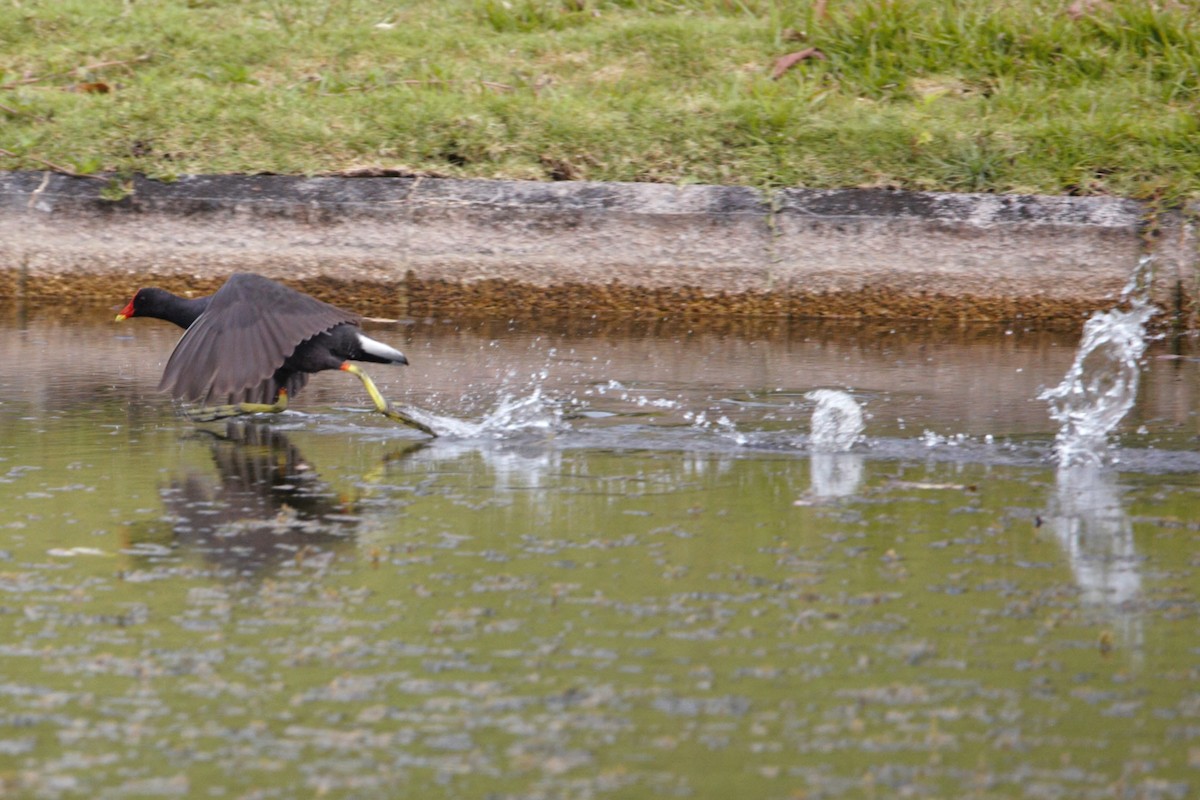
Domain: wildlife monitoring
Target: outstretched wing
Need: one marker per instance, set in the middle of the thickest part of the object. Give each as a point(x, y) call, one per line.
point(232, 350)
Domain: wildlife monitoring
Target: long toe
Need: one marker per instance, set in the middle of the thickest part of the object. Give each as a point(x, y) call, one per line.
point(392, 413)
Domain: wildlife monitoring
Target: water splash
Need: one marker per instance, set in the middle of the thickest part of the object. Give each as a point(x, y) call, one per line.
point(722, 426)
point(1101, 386)
point(532, 412)
point(837, 421)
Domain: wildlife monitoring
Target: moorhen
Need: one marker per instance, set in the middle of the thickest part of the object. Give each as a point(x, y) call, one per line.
point(253, 344)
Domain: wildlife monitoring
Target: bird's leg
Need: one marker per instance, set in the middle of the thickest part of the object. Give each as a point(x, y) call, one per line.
point(211, 413)
point(382, 404)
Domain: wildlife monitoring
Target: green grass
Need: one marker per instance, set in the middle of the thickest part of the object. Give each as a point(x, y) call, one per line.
point(996, 96)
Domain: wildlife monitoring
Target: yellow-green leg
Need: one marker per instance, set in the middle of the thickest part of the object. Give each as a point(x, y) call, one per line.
point(211, 413)
point(382, 404)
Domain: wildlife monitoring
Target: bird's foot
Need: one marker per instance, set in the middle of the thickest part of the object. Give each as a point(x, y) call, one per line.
point(381, 403)
point(213, 413)
point(393, 413)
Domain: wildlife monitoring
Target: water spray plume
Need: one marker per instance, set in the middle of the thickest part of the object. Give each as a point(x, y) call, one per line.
point(837, 421)
point(1101, 385)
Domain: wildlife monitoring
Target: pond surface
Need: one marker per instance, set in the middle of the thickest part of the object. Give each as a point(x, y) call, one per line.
point(622, 573)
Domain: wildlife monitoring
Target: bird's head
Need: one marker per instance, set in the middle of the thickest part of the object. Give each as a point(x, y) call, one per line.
point(145, 303)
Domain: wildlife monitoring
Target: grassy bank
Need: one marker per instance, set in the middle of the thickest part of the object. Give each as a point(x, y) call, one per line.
point(1017, 96)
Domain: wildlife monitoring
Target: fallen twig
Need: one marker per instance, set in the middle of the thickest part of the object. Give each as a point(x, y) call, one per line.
point(784, 63)
point(88, 67)
point(499, 87)
point(16, 112)
point(59, 168)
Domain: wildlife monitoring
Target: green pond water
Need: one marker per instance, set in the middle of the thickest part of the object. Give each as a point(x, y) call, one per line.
point(622, 573)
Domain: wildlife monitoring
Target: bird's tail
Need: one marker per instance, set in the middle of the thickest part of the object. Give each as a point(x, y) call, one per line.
point(379, 352)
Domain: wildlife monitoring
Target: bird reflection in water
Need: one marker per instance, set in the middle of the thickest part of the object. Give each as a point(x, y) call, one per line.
point(267, 507)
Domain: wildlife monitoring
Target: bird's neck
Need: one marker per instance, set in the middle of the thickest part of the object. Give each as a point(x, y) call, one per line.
point(182, 311)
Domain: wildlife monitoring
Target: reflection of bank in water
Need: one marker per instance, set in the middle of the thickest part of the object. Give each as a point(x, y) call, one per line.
point(266, 505)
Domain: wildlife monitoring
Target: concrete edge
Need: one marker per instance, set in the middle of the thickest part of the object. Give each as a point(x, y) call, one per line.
point(431, 244)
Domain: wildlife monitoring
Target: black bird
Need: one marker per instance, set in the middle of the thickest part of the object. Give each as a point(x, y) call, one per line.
point(253, 344)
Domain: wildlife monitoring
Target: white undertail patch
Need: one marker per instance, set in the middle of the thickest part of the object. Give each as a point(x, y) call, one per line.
point(381, 350)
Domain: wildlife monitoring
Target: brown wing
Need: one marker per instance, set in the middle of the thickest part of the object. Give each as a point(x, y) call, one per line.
point(232, 350)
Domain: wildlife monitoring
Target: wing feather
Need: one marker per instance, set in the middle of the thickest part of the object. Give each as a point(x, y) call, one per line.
point(251, 326)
